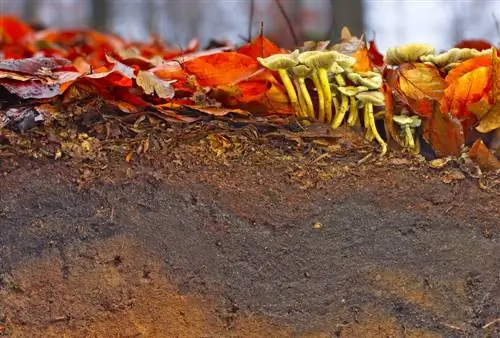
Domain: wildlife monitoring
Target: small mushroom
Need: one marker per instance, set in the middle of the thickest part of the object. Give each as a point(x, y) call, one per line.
point(301, 72)
point(321, 62)
point(368, 100)
point(408, 124)
point(407, 53)
point(349, 93)
point(281, 63)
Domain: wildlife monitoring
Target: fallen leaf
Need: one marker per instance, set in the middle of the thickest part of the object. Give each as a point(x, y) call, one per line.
point(376, 58)
point(260, 47)
point(151, 84)
point(12, 29)
point(444, 133)
point(363, 62)
point(451, 176)
point(474, 44)
point(420, 84)
point(491, 119)
point(221, 68)
point(483, 156)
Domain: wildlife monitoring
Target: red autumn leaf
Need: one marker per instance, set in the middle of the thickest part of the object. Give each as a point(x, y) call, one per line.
point(444, 133)
point(260, 47)
point(474, 44)
point(12, 30)
point(376, 58)
point(483, 156)
point(221, 68)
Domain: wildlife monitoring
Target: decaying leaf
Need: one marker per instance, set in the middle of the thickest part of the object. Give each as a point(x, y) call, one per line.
point(444, 133)
point(480, 154)
point(151, 84)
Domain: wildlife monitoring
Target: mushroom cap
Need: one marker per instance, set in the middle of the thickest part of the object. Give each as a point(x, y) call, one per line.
point(374, 82)
point(343, 60)
point(374, 97)
point(336, 69)
point(317, 59)
point(407, 53)
point(409, 121)
point(301, 71)
point(279, 61)
point(352, 90)
point(454, 55)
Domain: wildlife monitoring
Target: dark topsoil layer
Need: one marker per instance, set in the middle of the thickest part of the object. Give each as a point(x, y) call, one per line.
point(235, 237)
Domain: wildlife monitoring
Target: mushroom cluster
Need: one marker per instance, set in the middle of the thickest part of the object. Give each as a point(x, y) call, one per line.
point(340, 91)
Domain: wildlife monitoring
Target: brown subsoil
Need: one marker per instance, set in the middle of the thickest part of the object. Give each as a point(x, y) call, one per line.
point(233, 236)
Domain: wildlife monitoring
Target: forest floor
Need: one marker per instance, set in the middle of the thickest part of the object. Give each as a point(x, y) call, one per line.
point(240, 234)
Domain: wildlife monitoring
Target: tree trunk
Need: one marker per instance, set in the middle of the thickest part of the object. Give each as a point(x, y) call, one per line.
point(346, 13)
point(100, 9)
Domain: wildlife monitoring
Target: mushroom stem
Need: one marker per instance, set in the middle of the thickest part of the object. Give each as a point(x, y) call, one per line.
point(353, 112)
point(291, 92)
point(344, 105)
point(371, 123)
point(323, 78)
point(321, 97)
point(410, 142)
point(308, 105)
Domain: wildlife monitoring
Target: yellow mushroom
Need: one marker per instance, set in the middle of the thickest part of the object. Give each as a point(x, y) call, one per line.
point(281, 63)
point(408, 125)
point(407, 53)
point(370, 99)
point(349, 93)
point(321, 62)
point(301, 72)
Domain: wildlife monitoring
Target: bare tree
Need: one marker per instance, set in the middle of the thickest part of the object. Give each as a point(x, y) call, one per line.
point(30, 10)
point(100, 11)
point(346, 13)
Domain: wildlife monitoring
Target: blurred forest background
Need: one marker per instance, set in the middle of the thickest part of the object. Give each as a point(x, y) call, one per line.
point(392, 22)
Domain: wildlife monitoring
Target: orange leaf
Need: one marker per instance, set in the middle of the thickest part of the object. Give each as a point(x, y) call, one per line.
point(421, 84)
point(260, 47)
point(491, 120)
point(221, 68)
point(444, 133)
point(363, 63)
point(419, 81)
point(467, 66)
point(465, 90)
point(483, 156)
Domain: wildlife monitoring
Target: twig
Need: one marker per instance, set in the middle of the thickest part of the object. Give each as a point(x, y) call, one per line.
point(493, 322)
point(288, 22)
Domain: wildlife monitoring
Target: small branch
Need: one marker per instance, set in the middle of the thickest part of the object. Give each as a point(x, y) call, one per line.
point(493, 322)
point(288, 22)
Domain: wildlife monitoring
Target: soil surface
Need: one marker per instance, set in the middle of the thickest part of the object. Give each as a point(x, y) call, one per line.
point(238, 235)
